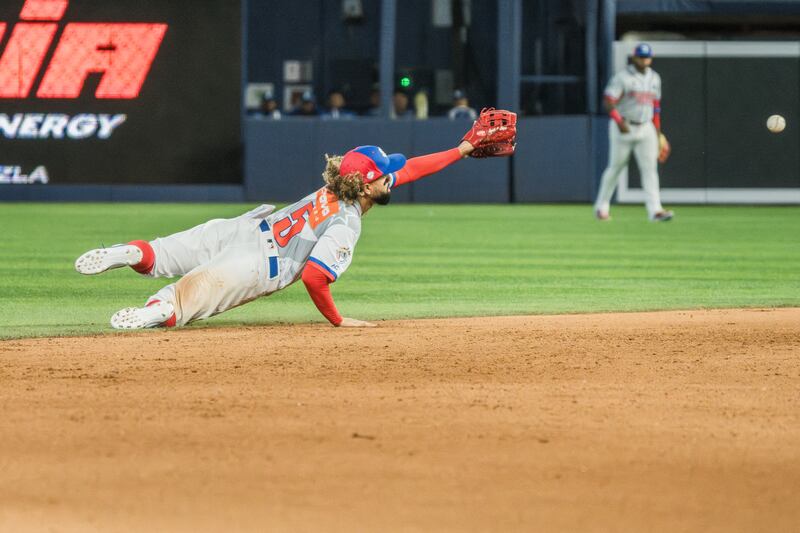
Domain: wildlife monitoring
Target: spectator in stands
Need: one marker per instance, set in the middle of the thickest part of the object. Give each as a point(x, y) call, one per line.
point(461, 108)
point(374, 103)
point(400, 105)
point(401, 109)
point(307, 107)
point(268, 108)
point(336, 110)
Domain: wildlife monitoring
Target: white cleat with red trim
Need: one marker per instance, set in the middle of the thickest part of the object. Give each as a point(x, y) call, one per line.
point(602, 215)
point(154, 314)
point(662, 216)
point(99, 260)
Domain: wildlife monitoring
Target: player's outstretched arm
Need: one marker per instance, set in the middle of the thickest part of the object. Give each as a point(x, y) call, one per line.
point(419, 167)
point(492, 135)
point(317, 284)
point(494, 132)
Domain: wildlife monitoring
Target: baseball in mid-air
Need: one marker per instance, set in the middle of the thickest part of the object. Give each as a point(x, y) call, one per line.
point(776, 123)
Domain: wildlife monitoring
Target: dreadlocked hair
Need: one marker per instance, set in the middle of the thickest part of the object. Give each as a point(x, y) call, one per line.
point(347, 188)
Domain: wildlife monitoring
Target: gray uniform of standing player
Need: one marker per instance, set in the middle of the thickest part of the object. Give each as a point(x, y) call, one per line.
point(633, 98)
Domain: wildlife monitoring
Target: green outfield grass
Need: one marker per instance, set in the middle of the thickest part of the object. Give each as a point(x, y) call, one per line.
point(425, 261)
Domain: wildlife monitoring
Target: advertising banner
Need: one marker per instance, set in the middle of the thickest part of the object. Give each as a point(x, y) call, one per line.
point(120, 92)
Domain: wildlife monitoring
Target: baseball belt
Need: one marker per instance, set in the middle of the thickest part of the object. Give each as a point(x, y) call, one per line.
point(272, 250)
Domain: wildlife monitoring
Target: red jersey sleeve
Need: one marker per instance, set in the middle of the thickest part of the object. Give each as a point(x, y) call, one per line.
point(316, 280)
point(419, 167)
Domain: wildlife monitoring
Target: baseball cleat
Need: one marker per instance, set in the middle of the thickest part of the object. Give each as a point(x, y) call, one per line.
point(142, 317)
point(101, 259)
point(602, 215)
point(662, 216)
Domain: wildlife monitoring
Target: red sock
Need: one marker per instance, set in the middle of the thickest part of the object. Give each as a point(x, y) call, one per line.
point(148, 257)
point(170, 322)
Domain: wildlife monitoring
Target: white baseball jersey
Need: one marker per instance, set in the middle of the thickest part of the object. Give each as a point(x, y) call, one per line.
point(319, 228)
point(634, 93)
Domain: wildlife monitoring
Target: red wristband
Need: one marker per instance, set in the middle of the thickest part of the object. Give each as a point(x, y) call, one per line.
point(657, 114)
point(614, 114)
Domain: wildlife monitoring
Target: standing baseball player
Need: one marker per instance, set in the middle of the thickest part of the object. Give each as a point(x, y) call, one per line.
point(633, 101)
point(225, 263)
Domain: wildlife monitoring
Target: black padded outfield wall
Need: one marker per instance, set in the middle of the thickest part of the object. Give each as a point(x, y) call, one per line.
point(716, 100)
point(715, 109)
point(120, 92)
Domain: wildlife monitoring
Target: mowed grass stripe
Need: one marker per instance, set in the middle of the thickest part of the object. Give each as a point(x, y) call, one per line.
point(416, 261)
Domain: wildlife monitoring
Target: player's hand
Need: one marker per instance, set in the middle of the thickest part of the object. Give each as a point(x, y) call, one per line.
point(623, 127)
point(353, 323)
point(465, 148)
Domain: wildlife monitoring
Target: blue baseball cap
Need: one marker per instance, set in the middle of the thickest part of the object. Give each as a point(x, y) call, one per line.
point(371, 162)
point(643, 50)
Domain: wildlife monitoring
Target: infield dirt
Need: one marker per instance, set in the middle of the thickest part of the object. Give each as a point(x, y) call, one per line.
point(673, 421)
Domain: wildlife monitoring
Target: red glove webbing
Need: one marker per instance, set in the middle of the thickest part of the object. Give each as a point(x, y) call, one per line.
point(419, 167)
point(316, 281)
point(657, 114)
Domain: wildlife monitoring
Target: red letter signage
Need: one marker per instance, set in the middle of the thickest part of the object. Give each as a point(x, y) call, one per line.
point(121, 52)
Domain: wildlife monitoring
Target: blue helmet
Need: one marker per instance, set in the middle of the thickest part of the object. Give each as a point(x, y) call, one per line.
point(643, 50)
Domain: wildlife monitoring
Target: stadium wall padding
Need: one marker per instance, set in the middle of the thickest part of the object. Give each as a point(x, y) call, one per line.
point(553, 162)
point(718, 135)
point(715, 103)
point(121, 193)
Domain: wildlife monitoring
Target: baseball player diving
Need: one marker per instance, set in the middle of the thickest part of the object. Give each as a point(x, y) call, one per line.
point(225, 263)
point(633, 101)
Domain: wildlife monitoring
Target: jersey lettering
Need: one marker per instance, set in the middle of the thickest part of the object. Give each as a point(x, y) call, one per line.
point(286, 228)
point(326, 206)
point(642, 97)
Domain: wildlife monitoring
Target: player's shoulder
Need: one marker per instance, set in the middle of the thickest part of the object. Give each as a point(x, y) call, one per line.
point(626, 71)
point(616, 80)
point(348, 215)
point(619, 78)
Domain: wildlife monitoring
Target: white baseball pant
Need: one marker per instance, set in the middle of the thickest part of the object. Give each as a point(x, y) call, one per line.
point(224, 263)
point(642, 140)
